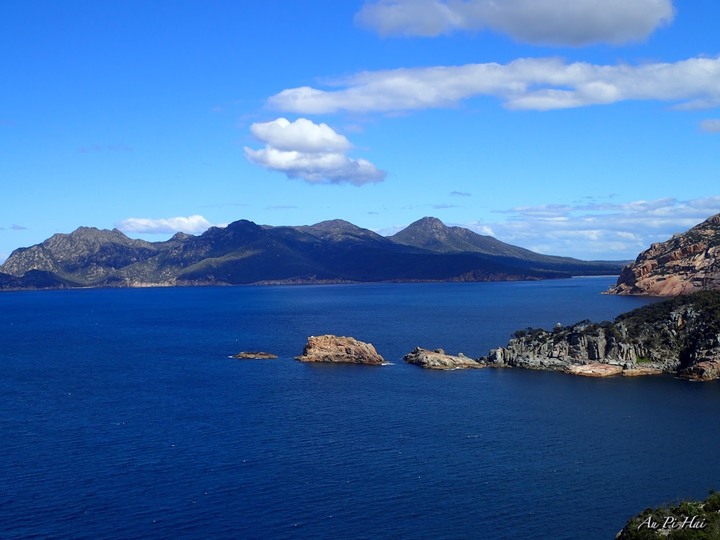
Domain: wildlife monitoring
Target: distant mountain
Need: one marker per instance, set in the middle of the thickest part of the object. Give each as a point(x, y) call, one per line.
point(685, 263)
point(432, 234)
point(244, 253)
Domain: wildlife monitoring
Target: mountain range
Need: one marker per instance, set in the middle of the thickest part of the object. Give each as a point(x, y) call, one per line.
point(246, 253)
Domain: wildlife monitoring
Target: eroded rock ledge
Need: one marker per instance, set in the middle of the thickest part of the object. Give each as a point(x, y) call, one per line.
point(437, 359)
point(339, 349)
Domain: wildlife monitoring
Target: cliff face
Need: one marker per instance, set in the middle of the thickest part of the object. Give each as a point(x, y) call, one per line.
point(680, 336)
point(686, 263)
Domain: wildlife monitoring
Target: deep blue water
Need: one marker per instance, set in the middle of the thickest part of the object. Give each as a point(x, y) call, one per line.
point(121, 416)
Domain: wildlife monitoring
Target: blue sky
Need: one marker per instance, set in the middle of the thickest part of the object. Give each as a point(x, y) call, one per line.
point(588, 128)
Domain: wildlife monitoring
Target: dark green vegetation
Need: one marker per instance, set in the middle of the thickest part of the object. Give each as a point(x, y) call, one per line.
point(244, 253)
point(685, 520)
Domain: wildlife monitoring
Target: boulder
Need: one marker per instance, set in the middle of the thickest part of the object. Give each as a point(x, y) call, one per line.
point(706, 370)
point(339, 349)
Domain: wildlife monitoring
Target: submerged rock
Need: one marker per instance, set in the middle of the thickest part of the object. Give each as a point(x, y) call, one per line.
point(339, 349)
point(437, 359)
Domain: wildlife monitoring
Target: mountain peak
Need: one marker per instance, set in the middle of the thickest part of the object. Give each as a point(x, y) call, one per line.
point(335, 225)
point(428, 223)
point(431, 233)
point(339, 230)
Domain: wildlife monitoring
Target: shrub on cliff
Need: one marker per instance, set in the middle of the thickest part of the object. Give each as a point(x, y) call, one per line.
point(695, 520)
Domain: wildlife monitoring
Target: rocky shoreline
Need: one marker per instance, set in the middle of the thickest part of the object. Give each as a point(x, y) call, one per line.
point(680, 336)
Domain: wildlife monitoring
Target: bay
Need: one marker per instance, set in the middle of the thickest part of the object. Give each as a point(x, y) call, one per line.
point(123, 417)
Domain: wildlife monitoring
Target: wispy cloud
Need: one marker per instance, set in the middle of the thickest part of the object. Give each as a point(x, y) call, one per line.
point(460, 194)
point(313, 152)
point(605, 230)
point(192, 224)
point(527, 83)
point(711, 125)
point(554, 22)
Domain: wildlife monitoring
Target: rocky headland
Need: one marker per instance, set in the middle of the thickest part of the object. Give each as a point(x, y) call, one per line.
point(686, 263)
point(437, 359)
point(679, 336)
point(339, 349)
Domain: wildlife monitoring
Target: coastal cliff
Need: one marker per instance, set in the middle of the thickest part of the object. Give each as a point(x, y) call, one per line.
point(679, 336)
point(686, 263)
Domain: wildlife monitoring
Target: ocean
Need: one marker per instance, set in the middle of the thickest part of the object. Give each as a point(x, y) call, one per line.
point(123, 416)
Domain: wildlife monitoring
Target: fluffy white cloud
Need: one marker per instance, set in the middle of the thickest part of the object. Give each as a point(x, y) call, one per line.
point(528, 83)
point(313, 152)
point(302, 135)
point(599, 230)
point(711, 125)
point(191, 224)
point(555, 22)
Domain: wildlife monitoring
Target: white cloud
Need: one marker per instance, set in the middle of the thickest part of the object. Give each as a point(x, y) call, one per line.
point(599, 230)
point(313, 152)
point(526, 83)
point(192, 224)
point(302, 136)
point(553, 22)
point(711, 125)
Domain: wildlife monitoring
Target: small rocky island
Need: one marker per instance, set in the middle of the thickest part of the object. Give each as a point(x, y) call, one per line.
point(679, 336)
point(254, 355)
point(437, 359)
point(340, 349)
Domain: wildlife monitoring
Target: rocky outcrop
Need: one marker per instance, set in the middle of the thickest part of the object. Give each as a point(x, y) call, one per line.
point(706, 370)
point(686, 263)
point(679, 336)
point(437, 359)
point(595, 369)
point(339, 349)
point(567, 348)
point(254, 355)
